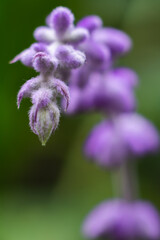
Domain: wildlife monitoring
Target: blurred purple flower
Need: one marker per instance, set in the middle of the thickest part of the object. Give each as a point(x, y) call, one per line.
point(122, 220)
point(104, 44)
point(126, 136)
point(98, 56)
point(96, 86)
point(91, 23)
point(111, 92)
point(118, 41)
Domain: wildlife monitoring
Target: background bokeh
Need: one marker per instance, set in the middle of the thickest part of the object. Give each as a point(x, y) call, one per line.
point(45, 192)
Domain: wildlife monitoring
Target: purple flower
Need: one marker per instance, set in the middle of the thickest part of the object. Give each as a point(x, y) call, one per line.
point(60, 28)
point(53, 57)
point(27, 55)
point(58, 41)
point(69, 57)
point(28, 88)
point(125, 75)
point(98, 56)
point(91, 23)
point(95, 86)
point(44, 114)
point(118, 41)
point(43, 63)
point(111, 92)
point(119, 219)
point(61, 19)
point(123, 137)
point(104, 44)
point(44, 120)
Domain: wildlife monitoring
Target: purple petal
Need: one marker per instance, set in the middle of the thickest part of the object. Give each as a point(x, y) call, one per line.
point(48, 21)
point(79, 77)
point(119, 219)
point(117, 96)
point(125, 75)
point(90, 23)
point(75, 100)
point(32, 119)
point(139, 134)
point(43, 63)
point(103, 219)
point(81, 101)
point(148, 221)
point(27, 89)
point(39, 47)
point(41, 99)
point(44, 35)
point(118, 41)
point(69, 57)
point(62, 89)
point(77, 35)
point(25, 57)
point(110, 95)
point(61, 19)
point(17, 58)
point(98, 55)
point(104, 146)
point(127, 135)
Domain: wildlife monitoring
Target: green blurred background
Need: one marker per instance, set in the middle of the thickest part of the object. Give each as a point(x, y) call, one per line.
point(45, 192)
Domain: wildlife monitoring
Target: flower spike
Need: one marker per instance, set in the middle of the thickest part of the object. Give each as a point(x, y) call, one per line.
point(54, 56)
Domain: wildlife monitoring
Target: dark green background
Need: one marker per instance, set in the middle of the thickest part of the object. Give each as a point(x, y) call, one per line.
point(45, 192)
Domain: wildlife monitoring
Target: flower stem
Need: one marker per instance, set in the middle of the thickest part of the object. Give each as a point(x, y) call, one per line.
point(128, 181)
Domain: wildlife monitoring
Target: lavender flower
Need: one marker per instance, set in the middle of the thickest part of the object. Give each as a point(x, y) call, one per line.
point(119, 219)
point(27, 55)
point(44, 121)
point(98, 55)
point(44, 90)
point(58, 40)
point(60, 23)
point(44, 114)
point(118, 41)
point(53, 57)
point(96, 86)
point(111, 92)
point(99, 86)
point(115, 140)
point(91, 23)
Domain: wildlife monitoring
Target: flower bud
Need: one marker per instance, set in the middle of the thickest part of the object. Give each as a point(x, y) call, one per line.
point(61, 19)
point(46, 121)
point(69, 57)
point(43, 63)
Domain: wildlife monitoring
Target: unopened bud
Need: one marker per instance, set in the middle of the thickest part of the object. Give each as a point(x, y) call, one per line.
point(46, 121)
